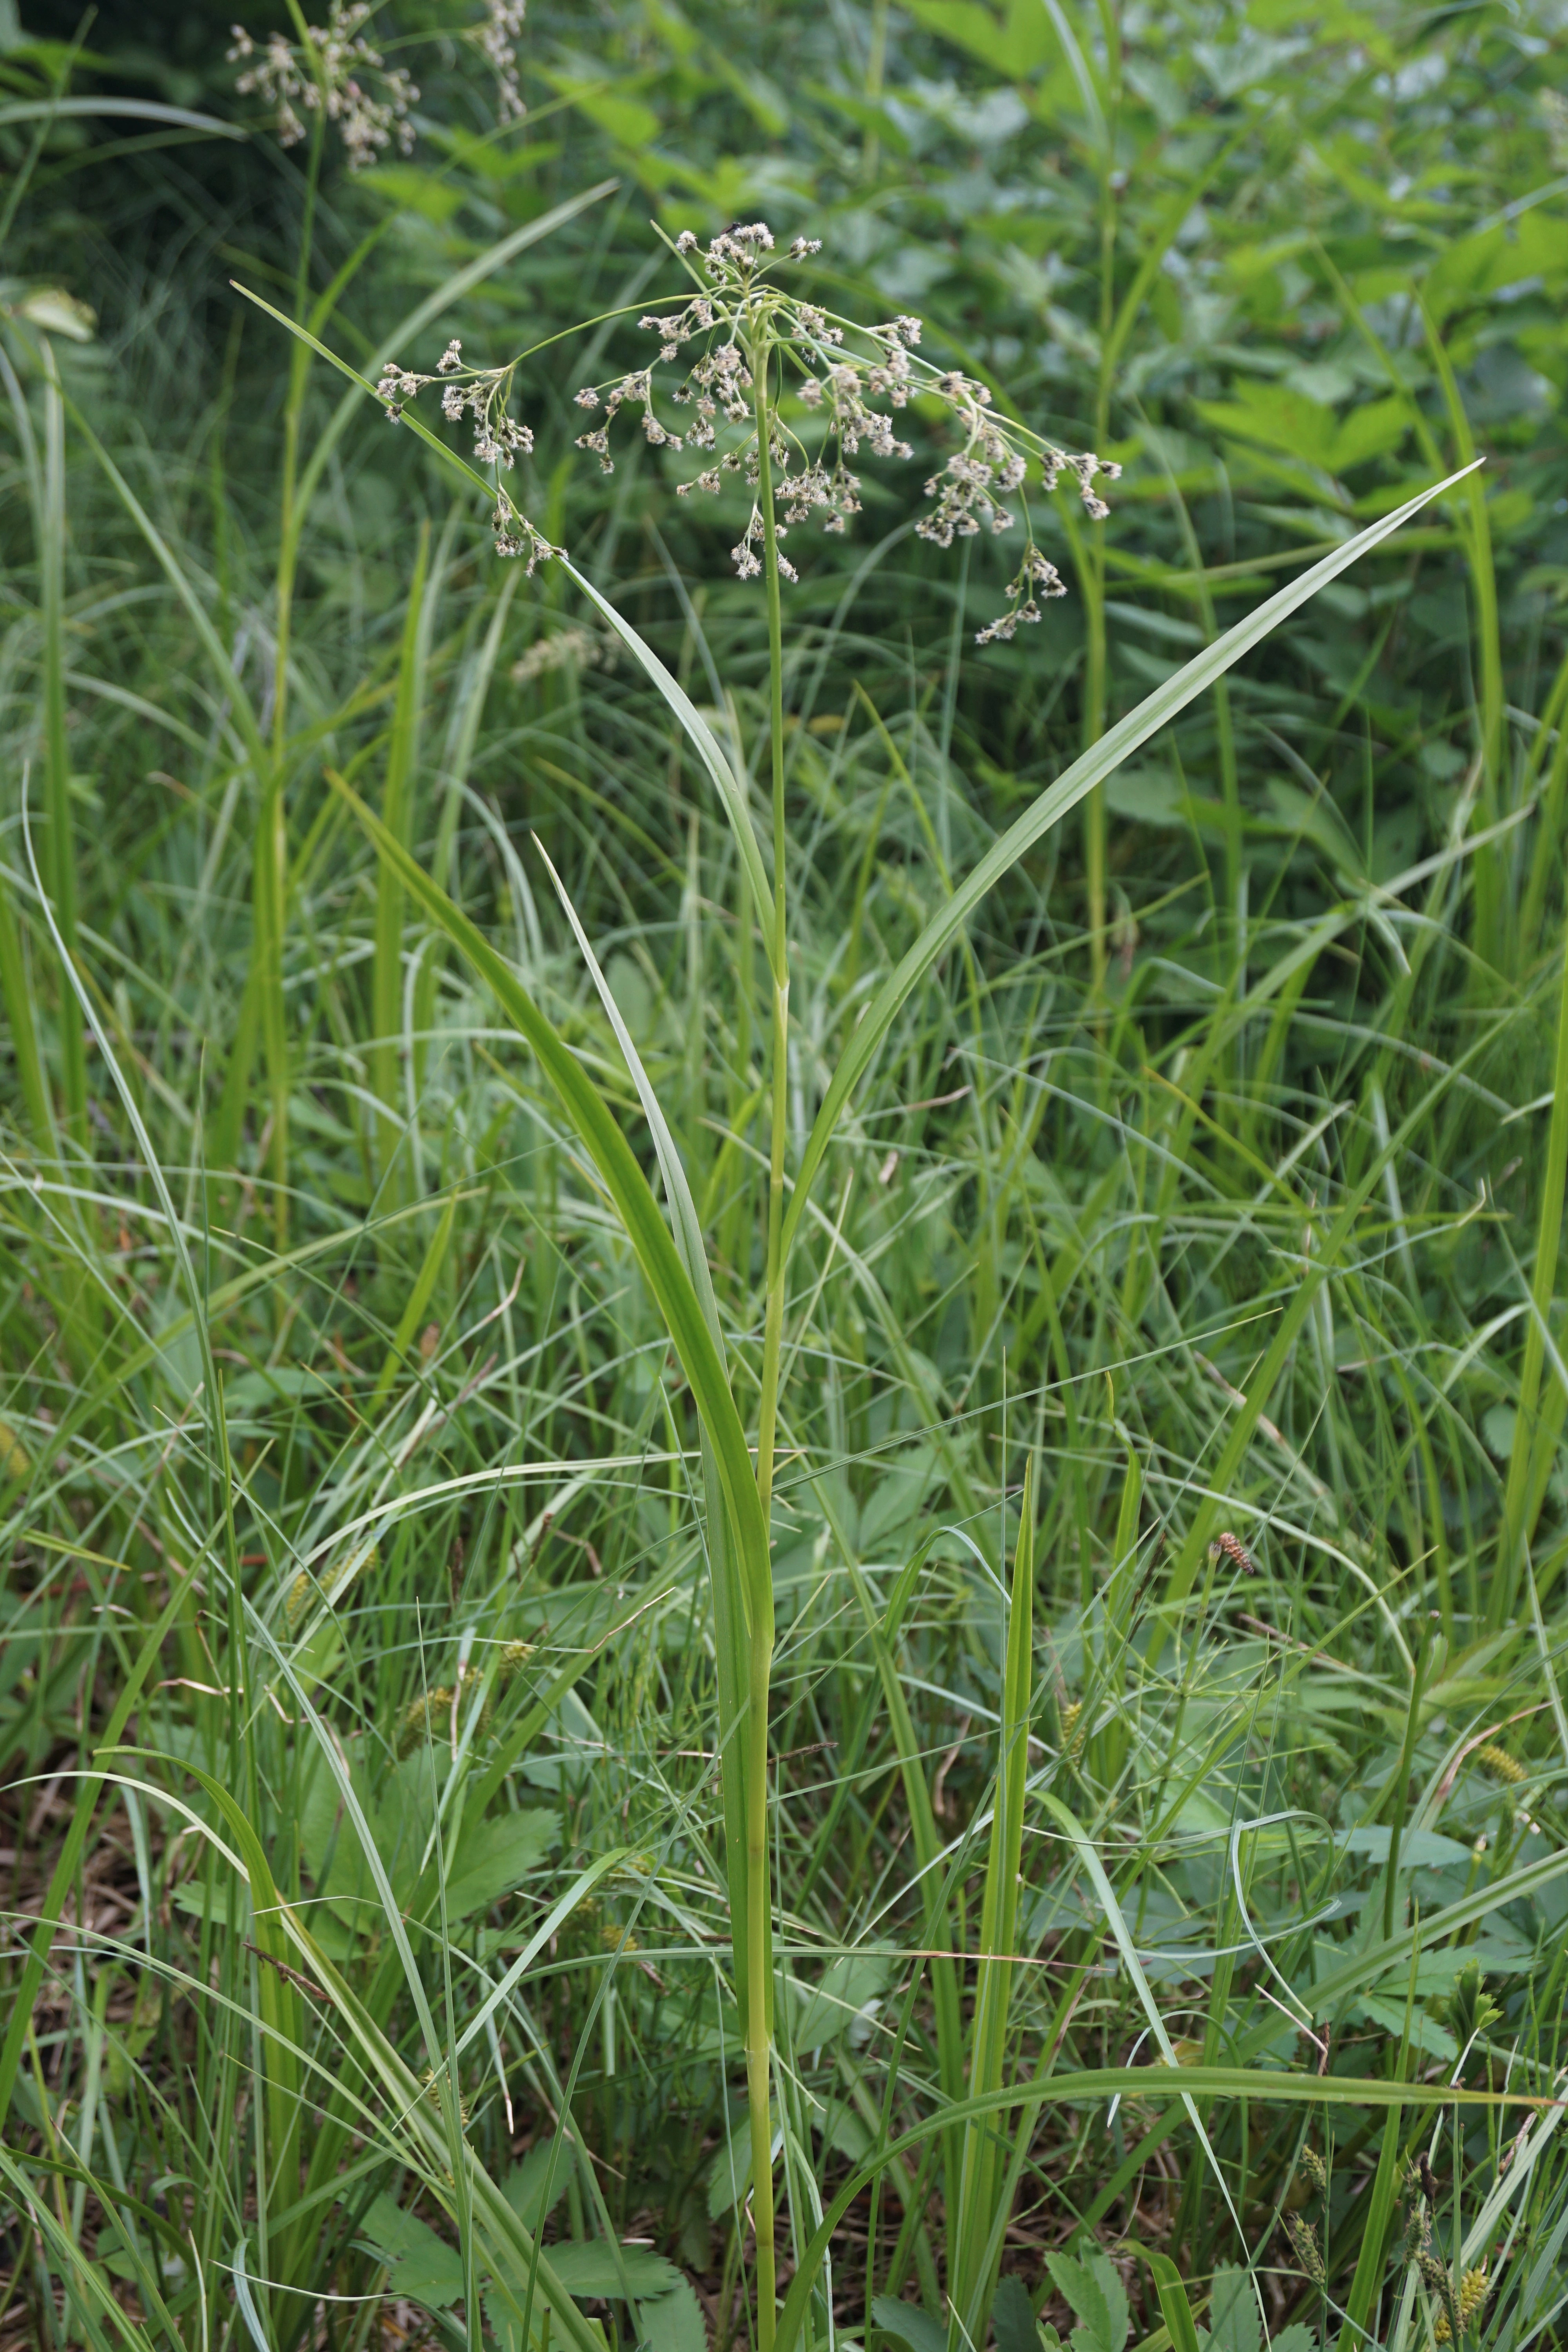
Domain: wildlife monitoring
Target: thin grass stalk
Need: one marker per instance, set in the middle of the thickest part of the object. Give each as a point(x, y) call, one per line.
point(759, 1888)
point(61, 855)
point(970, 2265)
point(386, 976)
point(1489, 940)
point(1546, 864)
point(18, 996)
point(1536, 1429)
point(1368, 2275)
point(271, 877)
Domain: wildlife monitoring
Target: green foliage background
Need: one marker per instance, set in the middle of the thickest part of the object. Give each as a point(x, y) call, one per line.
point(1282, 1007)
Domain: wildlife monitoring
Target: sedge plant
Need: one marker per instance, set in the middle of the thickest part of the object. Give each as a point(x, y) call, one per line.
point(779, 393)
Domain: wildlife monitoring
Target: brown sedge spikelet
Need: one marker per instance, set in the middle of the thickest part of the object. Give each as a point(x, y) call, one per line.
point(1228, 1546)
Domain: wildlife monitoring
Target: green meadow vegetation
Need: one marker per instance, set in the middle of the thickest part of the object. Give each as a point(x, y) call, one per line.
point(784, 1121)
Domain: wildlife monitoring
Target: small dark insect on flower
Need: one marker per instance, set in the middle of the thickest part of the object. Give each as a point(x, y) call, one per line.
point(1428, 2180)
point(1228, 1546)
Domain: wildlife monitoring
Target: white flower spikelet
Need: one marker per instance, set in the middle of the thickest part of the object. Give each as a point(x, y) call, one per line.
point(337, 69)
point(496, 38)
point(499, 440)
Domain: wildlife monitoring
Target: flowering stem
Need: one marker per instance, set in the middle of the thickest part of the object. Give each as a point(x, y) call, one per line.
point(758, 1889)
point(271, 870)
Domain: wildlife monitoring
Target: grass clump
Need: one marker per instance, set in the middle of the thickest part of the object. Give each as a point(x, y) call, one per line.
point(781, 1435)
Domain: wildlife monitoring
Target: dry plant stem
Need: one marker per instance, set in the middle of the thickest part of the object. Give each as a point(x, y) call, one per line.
point(758, 1888)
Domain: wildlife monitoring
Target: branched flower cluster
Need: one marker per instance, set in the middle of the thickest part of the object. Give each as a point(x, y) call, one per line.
point(496, 39)
point(498, 439)
point(854, 388)
point(844, 387)
point(367, 99)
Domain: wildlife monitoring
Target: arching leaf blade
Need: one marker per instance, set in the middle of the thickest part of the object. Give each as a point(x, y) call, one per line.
point(1058, 801)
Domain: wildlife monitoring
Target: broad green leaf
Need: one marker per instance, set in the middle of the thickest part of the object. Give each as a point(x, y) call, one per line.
point(625, 119)
point(497, 1855)
point(1098, 2299)
point(592, 2269)
point(1013, 2317)
point(1279, 417)
point(823, 2013)
point(542, 2176)
point(1469, 268)
point(1418, 1849)
point(898, 1495)
point(908, 2325)
point(1233, 2312)
point(421, 2266)
point(674, 2322)
point(412, 191)
point(1015, 42)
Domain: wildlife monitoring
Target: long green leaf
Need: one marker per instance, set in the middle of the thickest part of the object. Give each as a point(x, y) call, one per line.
point(139, 109)
point(980, 2226)
point(386, 976)
point(1055, 802)
point(624, 1179)
point(732, 792)
point(1535, 1445)
point(730, 1608)
point(62, 844)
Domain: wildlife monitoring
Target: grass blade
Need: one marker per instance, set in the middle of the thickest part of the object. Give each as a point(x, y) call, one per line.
point(1053, 805)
